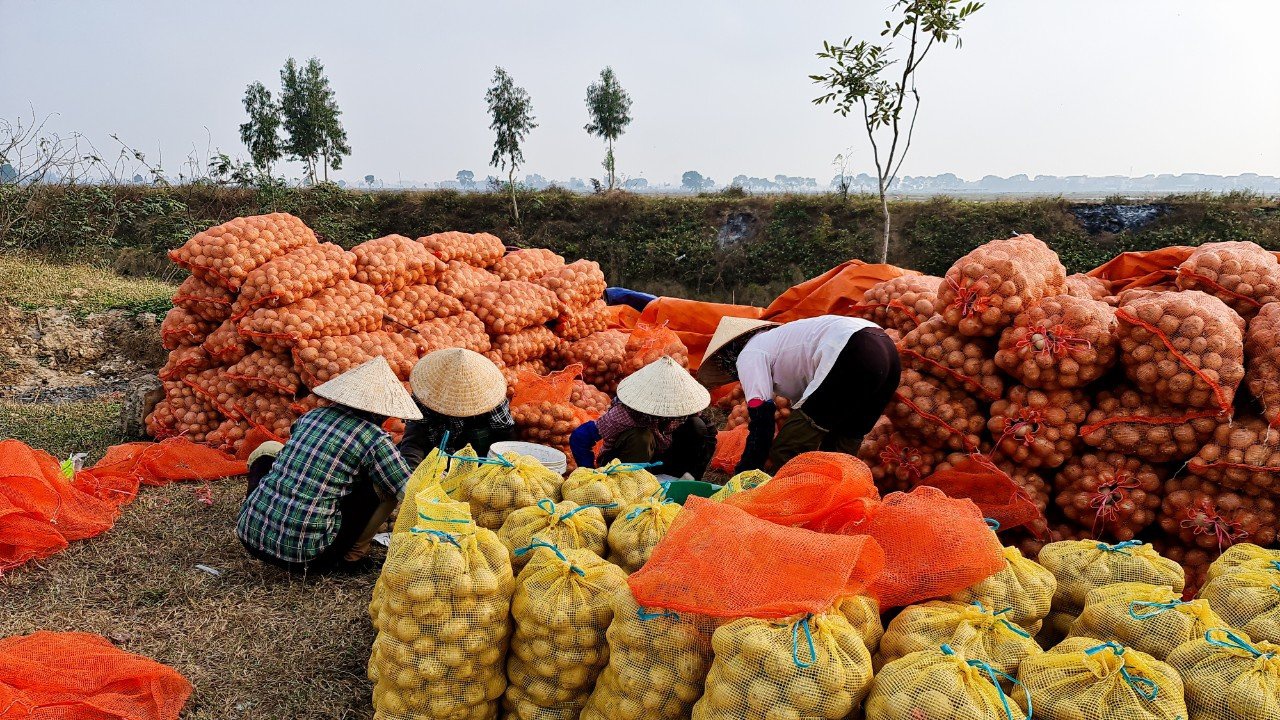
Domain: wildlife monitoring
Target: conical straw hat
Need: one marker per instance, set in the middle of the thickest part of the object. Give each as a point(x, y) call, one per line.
point(371, 387)
point(458, 382)
point(663, 389)
point(711, 373)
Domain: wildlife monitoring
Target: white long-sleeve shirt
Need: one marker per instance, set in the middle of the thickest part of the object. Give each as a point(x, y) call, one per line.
point(792, 360)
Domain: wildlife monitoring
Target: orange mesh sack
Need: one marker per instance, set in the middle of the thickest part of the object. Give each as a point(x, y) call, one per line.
point(985, 290)
point(821, 491)
point(1088, 287)
point(637, 530)
point(1060, 342)
point(575, 324)
point(343, 309)
point(612, 487)
point(462, 330)
point(214, 385)
point(267, 411)
point(1095, 680)
point(180, 328)
point(814, 666)
point(295, 275)
point(1127, 422)
point(1242, 274)
point(1084, 565)
point(229, 437)
point(530, 344)
point(730, 444)
point(459, 278)
point(975, 630)
point(266, 371)
point(512, 305)
point(717, 560)
point(1262, 360)
point(940, 683)
point(937, 349)
point(1112, 494)
point(1022, 592)
point(322, 359)
point(527, 264)
point(600, 355)
point(184, 412)
point(1037, 428)
point(1198, 512)
point(562, 608)
point(577, 284)
point(565, 524)
point(1229, 675)
point(543, 412)
point(658, 662)
point(225, 345)
point(1183, 348)
point(392, 262)
point(1243, 455)
point(999, 496)
point(935, 414)
point(417, 304)
point(651, 342)
point(79, 676)
point(900, 303)
point(480, 250)
point(443, 614)
point(227, 253)
point(497, 486)
point(203, 299)
point(897, 463)
point(183, 361)
point(1149, 618)
point(588, 399)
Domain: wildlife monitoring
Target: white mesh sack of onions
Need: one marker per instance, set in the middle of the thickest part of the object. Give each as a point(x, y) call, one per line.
point(985, 290)
point(480, 250)
point(295, 275)
point(900, 303)
point(227, 253)
point(346, 308)
point(512, 305)
point(1061, 342)
point(1126, 421)
point(938, 349)
point(934, 414)
point(1244, 275)
point(392, 262)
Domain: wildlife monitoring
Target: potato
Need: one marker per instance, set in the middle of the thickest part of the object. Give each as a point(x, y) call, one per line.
point(512, 305)
point(295, 275)
point(928, 411)
point(648, 343)
point(576, 285)
point(1060, 342)
point(577, 323)
point(342, 309)
point(1112, 494)
point(937, 683)
point(266, 371)
point(459, 278)
point(1071, 680)
point(203, 299)
point(180, 328)
point(1037, 428)
point(1126, 421)
point(567, 525)
point(1023, 586)
point(1242, 274)
point(616, 483)
point(897, 463)
point(1199, 513)
point(1083, 565)
point(1149, 618)
point(637, 530)
point(1229, 674)
point(480, 250)
point(601, 355)
point(974, 630)
point(1243, 455)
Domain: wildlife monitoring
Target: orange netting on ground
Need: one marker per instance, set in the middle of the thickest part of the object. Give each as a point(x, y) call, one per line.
point(79, 676)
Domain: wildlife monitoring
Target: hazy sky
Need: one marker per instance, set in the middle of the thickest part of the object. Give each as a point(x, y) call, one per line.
point(1041, 86)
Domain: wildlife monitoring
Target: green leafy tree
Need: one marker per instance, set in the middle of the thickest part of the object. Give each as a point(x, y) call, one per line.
point(511, 111)
point(261, 133)
point(311, 117)
point(610, 109)
point(862, 77)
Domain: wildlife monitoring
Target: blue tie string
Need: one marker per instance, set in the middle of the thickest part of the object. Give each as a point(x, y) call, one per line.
point(1234, 642)
point(646, 615)
point(536, 543)
point(1119, 547)
point(995, 676)
point(795, 643)
point(1157, 608)
point(1145, 687)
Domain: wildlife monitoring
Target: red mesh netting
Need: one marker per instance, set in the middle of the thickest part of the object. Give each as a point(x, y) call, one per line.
point(227, 253)
point(985, 290)
point(1060, 342)
point(935, 414)
point(1244, 275)
point(577, 284)
point(1243, 455)
point(527, 264)
point(719, 561)
point(938, 349)
point(1262, 360)
point(1037, 428)
point(900, 303)
point(266, 370)
point(1110, 494)
point(78, 676)
point(343, 309)
point(1198, 513)
point(204, 299)
point(295, 275)
point(1125, 421)
point(416, 304)
point(480, 250)
point(1184, 348)
point(180, 328)
point(392, 262)
point(512, 305)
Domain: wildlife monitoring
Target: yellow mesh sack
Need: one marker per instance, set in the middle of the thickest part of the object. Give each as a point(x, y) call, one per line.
point(658, 662)
point(637, 530)
point(1023, 586)
point(1149, 618)
point(562, 609)
point(565, 524)
point(617, 483)
point(748, 480)
point(1227, 675)
point(941, 683)
point(430, 508)
point(813, 666)
point(1082, 565)
point(428, 474)
point(863, 613)
point(1243, 555)
point(1087, 679)
point(495, 487)
point(446, 601)
point(973, 630)
point(1248, 600)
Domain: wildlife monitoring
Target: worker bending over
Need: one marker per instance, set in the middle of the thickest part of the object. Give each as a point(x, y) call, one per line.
point(838, 372)
point(462, 395)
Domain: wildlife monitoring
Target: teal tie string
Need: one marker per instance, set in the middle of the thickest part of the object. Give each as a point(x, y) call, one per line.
point(992, 523)
point(803, 623)
point(1156, 608)
point(481, 460)
point(1145, 687)
point(646, 615)
point(629, 467)
point(1119, 547)
point(1012, 628)
point(580, 508)
point(456, 521)
point(439, 535)
point(549, 508)
point(994, 675)
point(536, 543)
point(1234, 642)
point(444, 442)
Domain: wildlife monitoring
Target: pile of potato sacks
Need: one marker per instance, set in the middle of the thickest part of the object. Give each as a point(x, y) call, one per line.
point(1152, 414)
point(270, 311)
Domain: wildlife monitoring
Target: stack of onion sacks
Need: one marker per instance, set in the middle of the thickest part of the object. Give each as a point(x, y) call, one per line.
point(1244, 275)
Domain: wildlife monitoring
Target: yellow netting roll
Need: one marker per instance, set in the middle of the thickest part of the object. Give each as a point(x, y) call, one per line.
point(617, 483)
point(1082, 565)
point(976, 631)
point(562, 609)
point(941, 683)
point(1150, 618)
point(637, 530)
point(863, 613)
point(566, 524)
point(1023, 586)
point(742, 481)
point(1227, 675)
point(495, 487)
point(1087, 679)
point(658, 662)
point(1249, 600)
point(808, 667)
point(1243, 555)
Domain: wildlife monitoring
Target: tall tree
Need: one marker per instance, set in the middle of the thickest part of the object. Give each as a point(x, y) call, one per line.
point(261, 133)
point(511, 111)
point(862, 76)
point(610, 109)
point(311, 118)
point(334, 145)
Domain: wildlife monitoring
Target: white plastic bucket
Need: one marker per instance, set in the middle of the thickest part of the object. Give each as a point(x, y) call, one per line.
point(551, 458)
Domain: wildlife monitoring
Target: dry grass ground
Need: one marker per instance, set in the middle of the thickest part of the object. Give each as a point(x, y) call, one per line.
point(256, 643)
point(29, 282)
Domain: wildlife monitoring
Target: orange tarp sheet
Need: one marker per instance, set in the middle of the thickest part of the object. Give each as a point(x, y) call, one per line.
point(834, 292)
point(695, 322)
point(1142, 269)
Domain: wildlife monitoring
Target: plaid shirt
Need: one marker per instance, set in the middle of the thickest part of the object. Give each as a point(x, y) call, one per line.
point(478, 431)
point(293, 513)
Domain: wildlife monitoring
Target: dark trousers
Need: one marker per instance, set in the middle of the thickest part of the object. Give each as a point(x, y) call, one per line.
point(355, 510)
point(852, 397)
point(692, 445)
